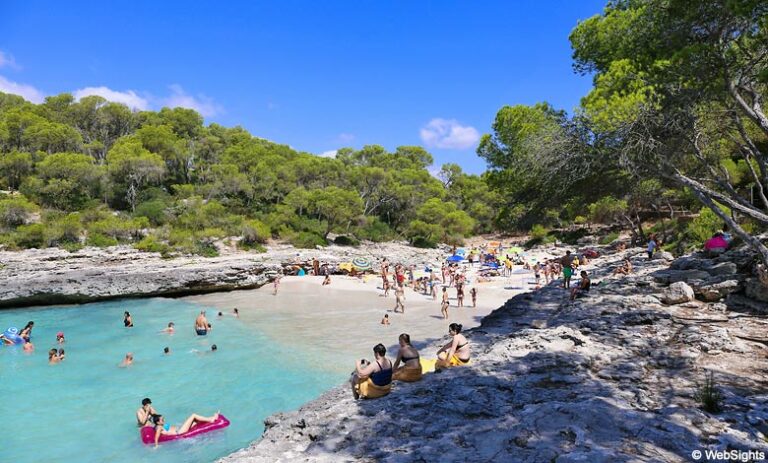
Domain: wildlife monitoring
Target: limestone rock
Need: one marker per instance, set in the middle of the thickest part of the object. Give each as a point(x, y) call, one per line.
point(673, 276)
point(756, 290)
point(717, 291)
point(677, 293)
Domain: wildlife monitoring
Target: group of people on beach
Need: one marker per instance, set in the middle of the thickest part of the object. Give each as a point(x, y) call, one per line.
point(373, 379)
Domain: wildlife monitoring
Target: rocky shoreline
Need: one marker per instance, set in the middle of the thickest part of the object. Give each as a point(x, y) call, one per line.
point(55, 276)
point(614, 376)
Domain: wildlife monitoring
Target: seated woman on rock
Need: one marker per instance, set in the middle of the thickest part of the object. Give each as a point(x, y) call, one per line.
point(372, 380)
point(411, 367)
point(456, 352)
point(162, 428)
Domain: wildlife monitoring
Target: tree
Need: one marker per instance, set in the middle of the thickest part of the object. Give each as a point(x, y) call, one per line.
point(678, 87)
point(132, 167)
point(439, 220)
point(14, 166)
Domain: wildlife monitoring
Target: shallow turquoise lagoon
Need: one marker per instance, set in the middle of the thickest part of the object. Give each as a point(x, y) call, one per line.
point(82, 410)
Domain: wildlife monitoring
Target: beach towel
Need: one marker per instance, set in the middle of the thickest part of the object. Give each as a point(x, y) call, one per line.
point(408, 375)
point(368, 390)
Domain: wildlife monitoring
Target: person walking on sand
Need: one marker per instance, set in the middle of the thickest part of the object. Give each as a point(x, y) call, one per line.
point(275, 285)
point(444, 304)
point(459, 294)
point(386, 288)
point(473, 293)
point(399, 298)
point(327, 280)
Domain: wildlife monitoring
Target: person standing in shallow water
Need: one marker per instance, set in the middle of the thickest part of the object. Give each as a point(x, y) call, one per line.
point(127, 320)
point(201, 324)
point(473, 293)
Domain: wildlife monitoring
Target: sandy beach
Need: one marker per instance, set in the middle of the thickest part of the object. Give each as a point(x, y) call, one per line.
point(339, 323)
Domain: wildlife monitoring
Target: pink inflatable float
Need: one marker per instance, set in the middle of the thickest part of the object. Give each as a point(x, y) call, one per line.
point(148, 432)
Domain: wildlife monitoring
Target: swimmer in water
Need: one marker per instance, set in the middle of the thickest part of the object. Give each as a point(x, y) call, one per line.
point(127, 361)
point(221, 314)
point(128, 320)
point(53, 357)
point(167, 351)
point(237, 313)
point(169, 329)
point(28, 346)
point(60, 337)
point(61, 354)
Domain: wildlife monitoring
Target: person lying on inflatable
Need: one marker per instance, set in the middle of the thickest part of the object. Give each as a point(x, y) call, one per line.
point(163, 429)
point(456, 352)
point(372, 380)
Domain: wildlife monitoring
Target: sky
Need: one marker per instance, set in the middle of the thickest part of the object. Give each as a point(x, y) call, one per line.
point(317, 76)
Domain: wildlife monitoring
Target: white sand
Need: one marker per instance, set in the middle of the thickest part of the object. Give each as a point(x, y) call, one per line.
point(339, 323)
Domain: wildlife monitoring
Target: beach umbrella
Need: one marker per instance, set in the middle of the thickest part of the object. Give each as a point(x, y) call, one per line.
point(494, 244)
point(455, 259)
point(513, 250)
point(491, 265)
point(362, 263)
point(461, 252)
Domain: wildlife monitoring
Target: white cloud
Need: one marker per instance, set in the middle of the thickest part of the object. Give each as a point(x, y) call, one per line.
point(448, 134)
point(128, 98)
point(328, 154)
point(29, 92)
point(200, 103)
point(346, 138)
point(7, 60)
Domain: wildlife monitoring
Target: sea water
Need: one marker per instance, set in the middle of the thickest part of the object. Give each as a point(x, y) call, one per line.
point(83, 409)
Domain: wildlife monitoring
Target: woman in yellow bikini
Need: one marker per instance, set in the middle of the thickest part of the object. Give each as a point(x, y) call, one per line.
point(456, 352)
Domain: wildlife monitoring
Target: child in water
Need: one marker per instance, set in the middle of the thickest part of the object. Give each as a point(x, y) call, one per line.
point(385, 320)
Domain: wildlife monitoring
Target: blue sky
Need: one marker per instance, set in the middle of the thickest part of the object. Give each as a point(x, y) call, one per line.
point(313, 75)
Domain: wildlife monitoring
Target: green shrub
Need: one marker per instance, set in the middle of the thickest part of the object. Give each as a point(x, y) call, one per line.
point(65, 232)
point(254, 232)
point(708, 395)
point(155, 211)
point(120, 228)
point(374, 229)
point(705, 225)
point(306, 240)
point(100, 241)
point(421, 242)
point(30, 236)
point(343, 240)
point(609, 238)
point(538, 232)
point(15, 211)
point(152, 244)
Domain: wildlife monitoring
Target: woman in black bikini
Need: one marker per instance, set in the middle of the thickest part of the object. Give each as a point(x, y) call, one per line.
point(128, 320)
point(373, 380)
point(456, 352)
point(411, 367)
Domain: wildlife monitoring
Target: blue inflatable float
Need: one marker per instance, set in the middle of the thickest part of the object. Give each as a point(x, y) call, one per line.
point(11, 336)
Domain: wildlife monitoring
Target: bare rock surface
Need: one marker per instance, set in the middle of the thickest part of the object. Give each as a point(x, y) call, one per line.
point(610, 377)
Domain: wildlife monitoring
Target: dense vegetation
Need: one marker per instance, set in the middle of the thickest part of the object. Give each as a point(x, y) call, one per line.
point(675, 121)
point(673, 132)
point(93, 172)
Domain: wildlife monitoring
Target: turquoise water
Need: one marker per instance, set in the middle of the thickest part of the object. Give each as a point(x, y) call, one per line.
point(83, 409)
